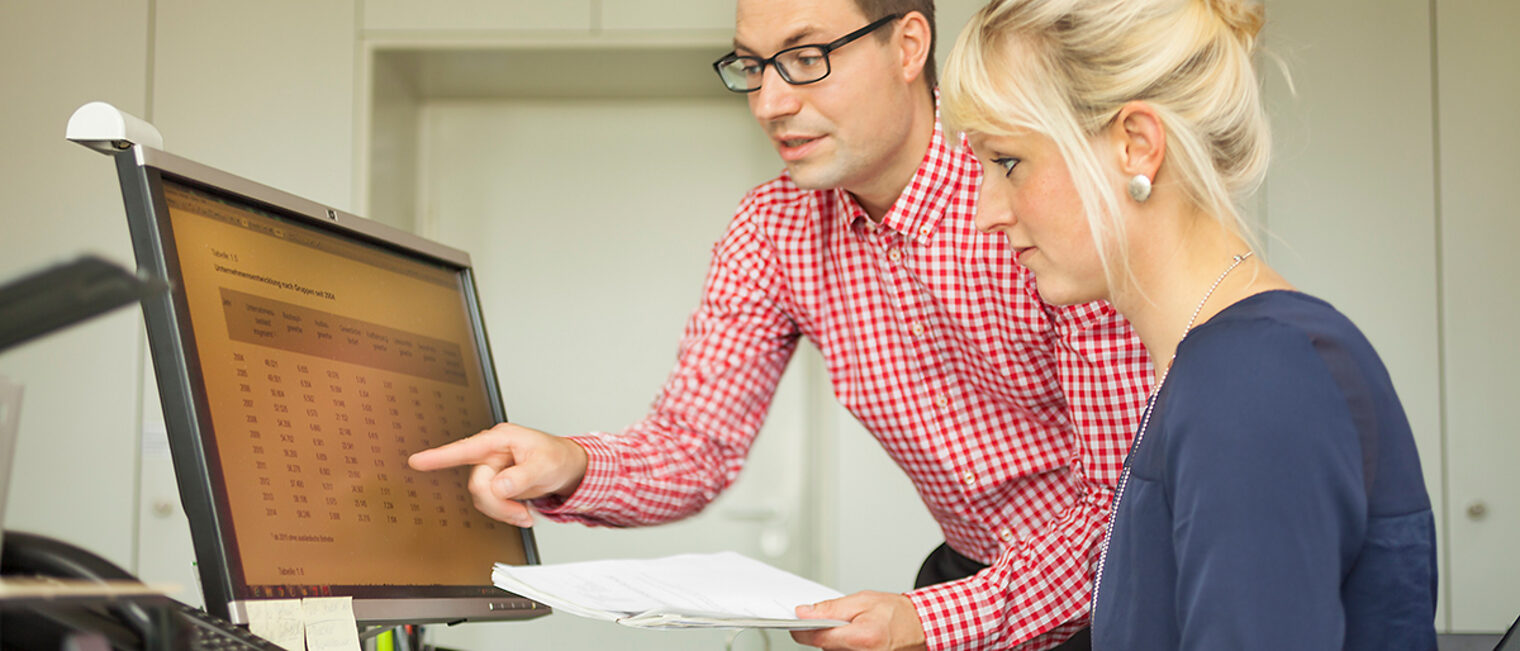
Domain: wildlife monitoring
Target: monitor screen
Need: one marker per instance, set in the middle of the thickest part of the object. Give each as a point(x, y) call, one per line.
point(302, 355)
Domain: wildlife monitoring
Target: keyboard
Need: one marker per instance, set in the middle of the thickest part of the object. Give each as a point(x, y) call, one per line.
point(199, 630)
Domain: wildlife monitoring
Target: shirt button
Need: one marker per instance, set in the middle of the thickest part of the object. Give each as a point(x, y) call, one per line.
point(942, 401)
point(894, 255)
point(1005, 535)
point(969, 477)
point(917, 328)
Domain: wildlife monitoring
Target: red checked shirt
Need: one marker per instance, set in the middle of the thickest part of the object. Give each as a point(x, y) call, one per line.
point(1011, 417)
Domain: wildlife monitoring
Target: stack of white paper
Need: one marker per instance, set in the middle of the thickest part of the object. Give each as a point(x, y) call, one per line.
point(723, 590)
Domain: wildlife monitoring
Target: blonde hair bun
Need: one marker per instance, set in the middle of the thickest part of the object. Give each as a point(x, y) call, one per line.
point(1242, 16)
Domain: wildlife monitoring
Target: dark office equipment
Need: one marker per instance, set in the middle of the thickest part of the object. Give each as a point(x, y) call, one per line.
point(137, 622)
point(62, 295)
point(1511, 639)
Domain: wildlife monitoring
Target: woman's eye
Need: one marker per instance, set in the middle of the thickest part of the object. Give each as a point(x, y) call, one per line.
point(1007, 163)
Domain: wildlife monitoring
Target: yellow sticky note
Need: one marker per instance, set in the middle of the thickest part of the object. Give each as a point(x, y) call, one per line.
point(330, 624)
point(279, 621)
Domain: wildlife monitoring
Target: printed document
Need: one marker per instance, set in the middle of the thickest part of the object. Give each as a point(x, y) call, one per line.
point(722, 590)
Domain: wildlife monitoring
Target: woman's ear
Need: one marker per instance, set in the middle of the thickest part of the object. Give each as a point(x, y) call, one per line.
point(1140, 137)
point(913, 40)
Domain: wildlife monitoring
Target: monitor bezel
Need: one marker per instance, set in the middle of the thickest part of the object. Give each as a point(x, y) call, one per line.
point(142, 172)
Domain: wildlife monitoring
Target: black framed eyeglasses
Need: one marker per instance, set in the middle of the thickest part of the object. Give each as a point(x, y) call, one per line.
point(802, 64)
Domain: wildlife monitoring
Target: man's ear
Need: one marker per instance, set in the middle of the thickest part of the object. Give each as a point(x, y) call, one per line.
point(913, 39)
point(1140, 139)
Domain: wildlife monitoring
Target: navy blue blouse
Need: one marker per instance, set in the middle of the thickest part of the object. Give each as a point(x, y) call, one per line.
point(1276, 501)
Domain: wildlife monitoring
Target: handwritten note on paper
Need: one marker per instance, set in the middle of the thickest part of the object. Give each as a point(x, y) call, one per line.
point(279, 621)
point(330, 624)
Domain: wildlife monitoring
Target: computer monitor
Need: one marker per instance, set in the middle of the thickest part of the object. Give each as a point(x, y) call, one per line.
point(1511, 639)
point(301, 355)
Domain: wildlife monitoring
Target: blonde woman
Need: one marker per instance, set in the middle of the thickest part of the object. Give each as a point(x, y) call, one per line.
point(1273, 497)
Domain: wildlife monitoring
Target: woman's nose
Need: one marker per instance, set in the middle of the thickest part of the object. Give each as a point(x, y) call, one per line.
point(992, 211)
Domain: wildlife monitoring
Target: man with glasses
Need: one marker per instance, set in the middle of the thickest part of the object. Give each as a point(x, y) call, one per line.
point(1011, 417)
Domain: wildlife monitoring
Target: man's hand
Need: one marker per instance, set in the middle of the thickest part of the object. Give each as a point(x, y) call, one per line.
point(511, 464)
point(877, 620)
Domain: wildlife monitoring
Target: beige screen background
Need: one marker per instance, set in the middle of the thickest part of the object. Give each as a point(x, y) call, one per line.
point(326, 363)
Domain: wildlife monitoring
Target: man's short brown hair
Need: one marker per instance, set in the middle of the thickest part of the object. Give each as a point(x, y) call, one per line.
point(874, 9)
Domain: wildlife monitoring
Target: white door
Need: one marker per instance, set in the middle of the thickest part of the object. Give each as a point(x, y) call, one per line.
point(1476, 53)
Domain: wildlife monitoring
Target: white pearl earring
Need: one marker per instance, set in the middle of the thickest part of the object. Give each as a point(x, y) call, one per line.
point(1140, 188)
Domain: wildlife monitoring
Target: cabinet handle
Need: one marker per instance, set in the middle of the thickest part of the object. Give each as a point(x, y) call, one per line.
point(1477, 510)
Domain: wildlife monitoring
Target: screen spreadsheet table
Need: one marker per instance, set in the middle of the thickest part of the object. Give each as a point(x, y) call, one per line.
point(326, 364)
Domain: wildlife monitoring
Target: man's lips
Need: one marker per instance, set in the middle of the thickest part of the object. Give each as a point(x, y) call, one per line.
point(795, 147)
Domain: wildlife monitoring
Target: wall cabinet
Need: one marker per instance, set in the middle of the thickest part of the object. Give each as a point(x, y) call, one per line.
point(477, 15)
point(667, 15)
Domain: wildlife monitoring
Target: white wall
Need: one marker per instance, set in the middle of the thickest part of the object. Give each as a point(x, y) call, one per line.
point(261, 89)
point(75, 470)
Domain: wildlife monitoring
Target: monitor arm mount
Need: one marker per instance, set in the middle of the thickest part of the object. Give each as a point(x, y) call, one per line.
point(108, 130)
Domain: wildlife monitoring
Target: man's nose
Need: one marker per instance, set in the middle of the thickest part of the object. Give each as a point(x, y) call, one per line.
point(775, 98)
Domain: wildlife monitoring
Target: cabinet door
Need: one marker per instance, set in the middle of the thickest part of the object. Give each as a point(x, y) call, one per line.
point(476, 15)
point(1480, 227)
point(668, 14)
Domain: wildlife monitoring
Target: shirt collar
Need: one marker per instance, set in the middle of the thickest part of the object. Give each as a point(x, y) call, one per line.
point(926, 199)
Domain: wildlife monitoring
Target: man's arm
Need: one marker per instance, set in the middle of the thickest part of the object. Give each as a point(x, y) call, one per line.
point(692, 444)
point(1036, 594)
point(1039, 592)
